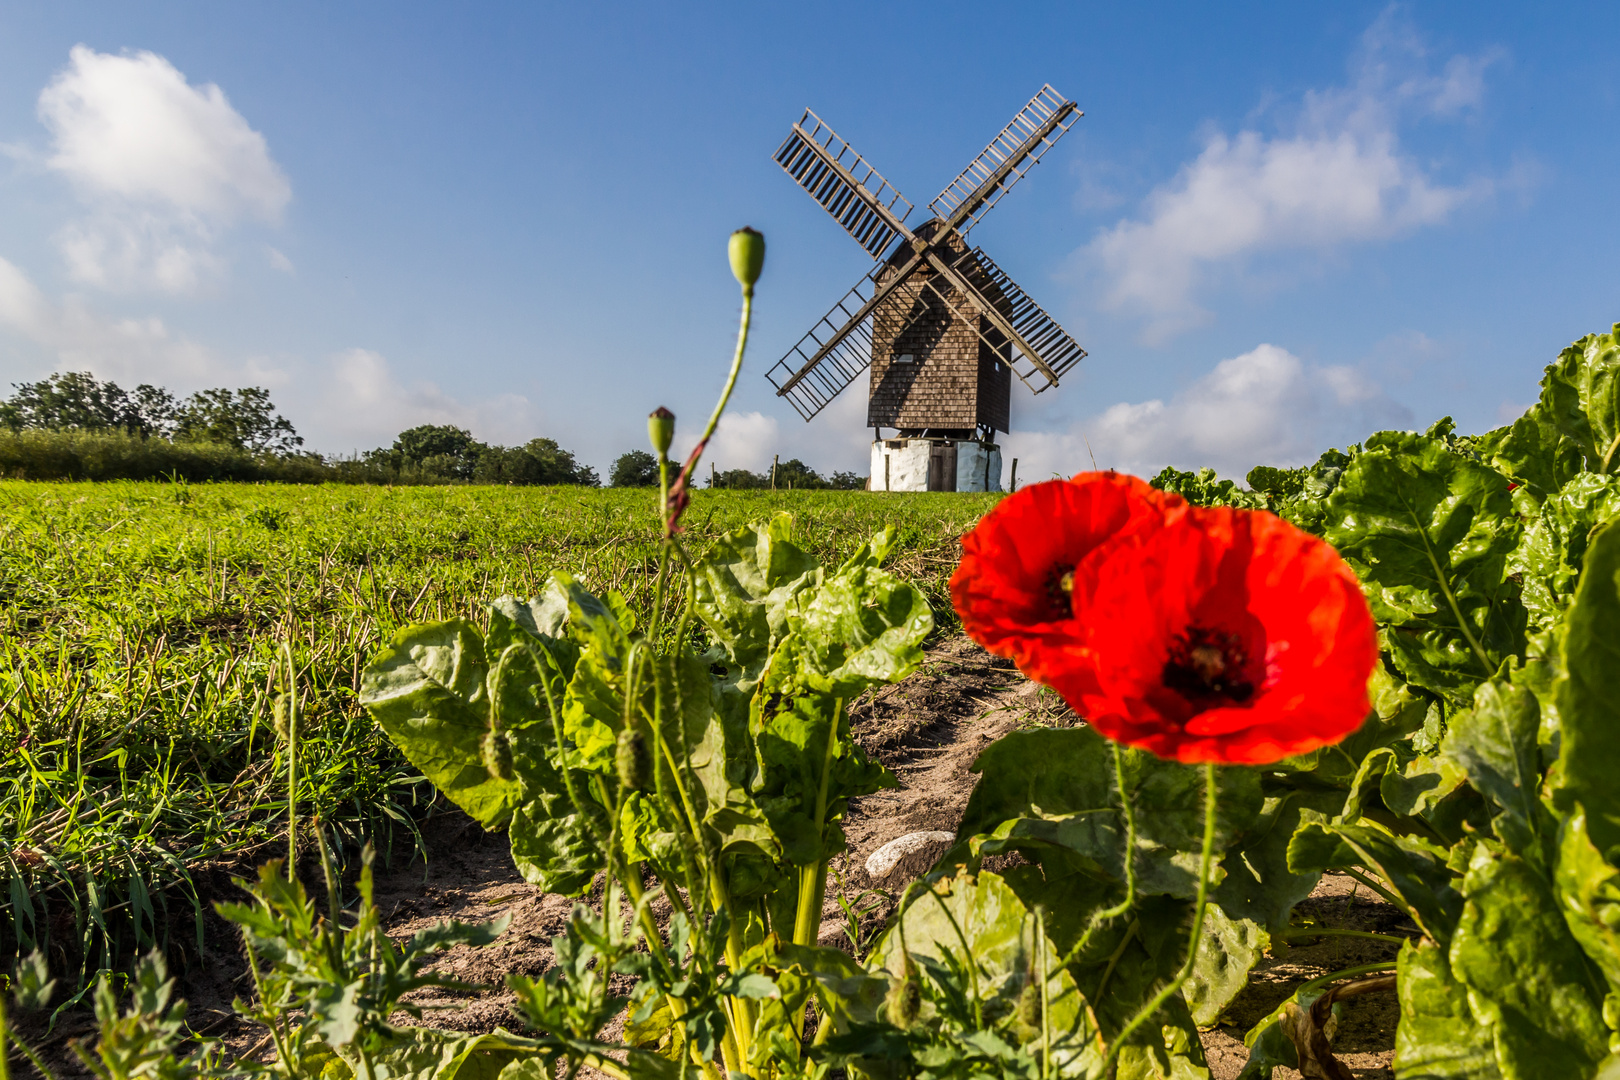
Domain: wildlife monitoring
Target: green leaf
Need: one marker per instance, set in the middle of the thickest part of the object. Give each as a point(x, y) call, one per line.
point(1588, 889)
point(743, 587)
point(1527, 980)
point(1581, 392)
point(1415, 870)
point(980, 921)
point(1553, 548)
point(1227, 953)
point(540, 617)
point(1588, 694)
point(1259, 885)
point(1051, 791)
point(808, 761)
point(1495, 745)
point(860, 627)
point(427, 691)
point(1532, 451)
point(1437, 1038)
point(1429, 531)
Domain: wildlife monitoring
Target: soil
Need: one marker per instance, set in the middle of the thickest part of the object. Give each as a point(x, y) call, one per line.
point(927, 730)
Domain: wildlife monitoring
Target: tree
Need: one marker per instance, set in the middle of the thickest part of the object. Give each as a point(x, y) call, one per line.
point(795, 474)
point(246, 419)
point(847, 481)
point(419, 443)
point(440, 450)
point(539, 461)
point(738, 480)
point(78, 401)
point(635, 469)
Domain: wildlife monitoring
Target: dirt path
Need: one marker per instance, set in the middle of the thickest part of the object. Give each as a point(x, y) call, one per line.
point(927, 730)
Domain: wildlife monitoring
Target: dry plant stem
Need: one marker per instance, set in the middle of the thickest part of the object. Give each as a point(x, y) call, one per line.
point(1347, 973)
point(292, 762)
point(1199, 907)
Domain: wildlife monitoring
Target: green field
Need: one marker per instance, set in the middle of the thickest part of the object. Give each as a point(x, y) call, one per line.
point(143, 627)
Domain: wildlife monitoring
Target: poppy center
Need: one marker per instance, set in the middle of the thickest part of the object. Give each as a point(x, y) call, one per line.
point(1059, 590)
point(1207, 667)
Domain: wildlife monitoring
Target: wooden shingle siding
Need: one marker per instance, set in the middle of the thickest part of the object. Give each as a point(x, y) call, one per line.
point(955, 379)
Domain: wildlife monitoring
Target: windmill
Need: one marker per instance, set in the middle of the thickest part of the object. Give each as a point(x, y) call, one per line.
point(942, 327)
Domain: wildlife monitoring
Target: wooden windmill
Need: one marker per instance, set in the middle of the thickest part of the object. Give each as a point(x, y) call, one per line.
point(941, 326)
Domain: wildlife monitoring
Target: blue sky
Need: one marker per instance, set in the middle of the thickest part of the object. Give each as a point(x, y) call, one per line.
point(1278, 226)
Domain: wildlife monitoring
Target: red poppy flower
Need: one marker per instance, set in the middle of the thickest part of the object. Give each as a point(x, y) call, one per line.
point(1224, 635)
point(1013, 586)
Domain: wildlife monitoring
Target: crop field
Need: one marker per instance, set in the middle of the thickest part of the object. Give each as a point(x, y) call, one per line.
point(1185, 723)
point(143, 629)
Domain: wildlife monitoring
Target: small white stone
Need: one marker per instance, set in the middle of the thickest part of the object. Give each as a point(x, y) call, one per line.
point(911, 848)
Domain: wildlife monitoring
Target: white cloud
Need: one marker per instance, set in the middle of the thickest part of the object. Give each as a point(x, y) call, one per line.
point(279, 261)
point(834, 441)
point(1265, 407)
point(163, 167)
point(70, 336)
point(1339, 177)
point(357, 403)
point(351, 401)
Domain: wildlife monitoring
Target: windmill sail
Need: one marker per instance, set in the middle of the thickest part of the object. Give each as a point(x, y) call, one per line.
point(832, 355)
point(857, 196)
point(1045, 350)
point(1010, 155)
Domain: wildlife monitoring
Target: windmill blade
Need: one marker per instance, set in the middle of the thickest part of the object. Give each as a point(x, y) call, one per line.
point(857, 196)
point(1046, 351)
point(838, 347)
point(1011, 154)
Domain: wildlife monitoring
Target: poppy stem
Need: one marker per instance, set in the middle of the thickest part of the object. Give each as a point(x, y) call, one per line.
point(1173, 987)
point(1101, 918)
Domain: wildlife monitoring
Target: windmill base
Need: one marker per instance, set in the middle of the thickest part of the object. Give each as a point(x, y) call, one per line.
point(935, 465)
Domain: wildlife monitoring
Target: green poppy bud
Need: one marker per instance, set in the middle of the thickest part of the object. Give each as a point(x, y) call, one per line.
point(497, 755)
point(903, 1003)
point(747, 256)
point(632, 761)
point(661, 429)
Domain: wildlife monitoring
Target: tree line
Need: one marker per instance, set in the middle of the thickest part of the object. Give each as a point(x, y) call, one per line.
point(75, 426)
point(638, 468)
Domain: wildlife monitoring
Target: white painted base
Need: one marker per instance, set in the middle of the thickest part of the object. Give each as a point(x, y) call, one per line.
point(903, 465)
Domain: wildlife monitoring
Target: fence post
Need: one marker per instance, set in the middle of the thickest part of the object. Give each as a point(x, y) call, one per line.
point(1013, 486)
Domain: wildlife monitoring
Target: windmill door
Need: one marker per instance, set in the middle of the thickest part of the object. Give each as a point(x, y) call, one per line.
point(942, 466)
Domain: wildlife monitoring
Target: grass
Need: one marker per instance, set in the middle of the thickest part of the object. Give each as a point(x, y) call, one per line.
point(143, 623)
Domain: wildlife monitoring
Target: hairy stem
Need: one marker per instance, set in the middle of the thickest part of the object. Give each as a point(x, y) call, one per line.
point(1199, 907)
point(1109, 914)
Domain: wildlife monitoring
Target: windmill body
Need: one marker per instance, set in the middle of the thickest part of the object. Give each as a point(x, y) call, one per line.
point(940, 327)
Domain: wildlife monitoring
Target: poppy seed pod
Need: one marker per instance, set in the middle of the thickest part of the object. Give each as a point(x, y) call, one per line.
point(497, 755)
point(903, 1002)
point(661, 429)
point(632, 760)
point(747, 256)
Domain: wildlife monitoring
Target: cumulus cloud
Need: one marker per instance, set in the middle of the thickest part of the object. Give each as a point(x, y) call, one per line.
point(358, 403)
point(163, 168)
point(351, 401)
point(1337, 176)
point(836, 440)
point(1265, 407)
point(71, 336)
